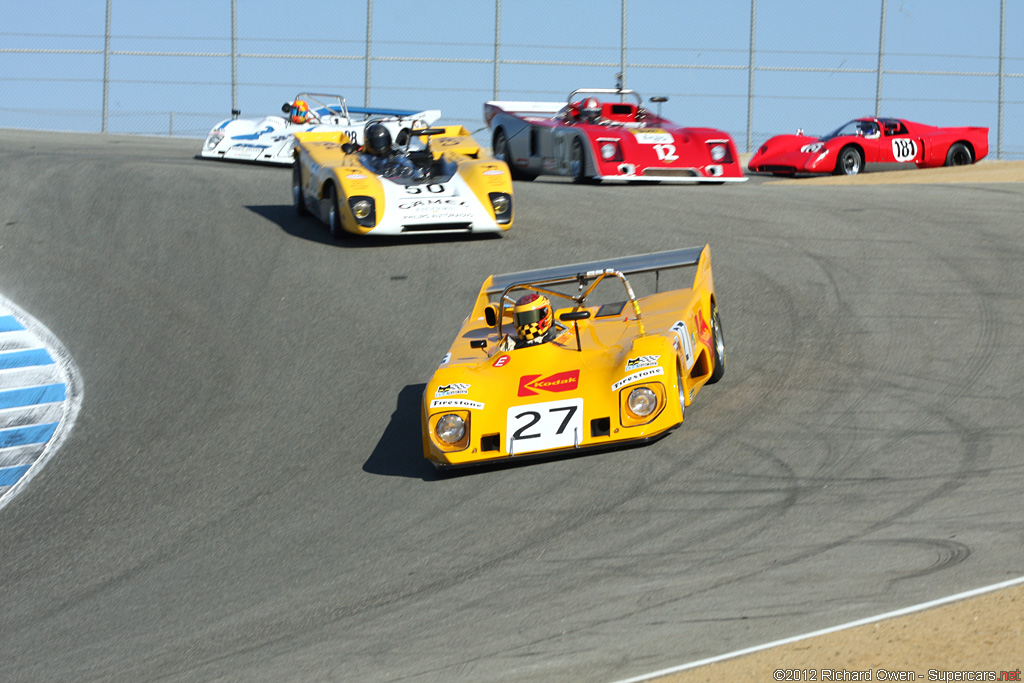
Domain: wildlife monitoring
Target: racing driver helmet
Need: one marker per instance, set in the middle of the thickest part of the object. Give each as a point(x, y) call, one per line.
point(300, 112)
point(532, 317)
point(591, 109)
point(378, 139)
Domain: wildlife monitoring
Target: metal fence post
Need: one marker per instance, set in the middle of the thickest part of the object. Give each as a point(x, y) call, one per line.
point(881, 53)
point(750, 75)
point(1002, 74)
point(622, 43)
point(234, 56)
point(497, 44)
point(369, 36)
point(106, 70)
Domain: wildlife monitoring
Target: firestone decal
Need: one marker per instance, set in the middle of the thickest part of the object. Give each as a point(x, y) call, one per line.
point(637, 376)
point(456, 403)
point(453, 389)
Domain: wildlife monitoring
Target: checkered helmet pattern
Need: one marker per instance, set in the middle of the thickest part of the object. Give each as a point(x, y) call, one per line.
point(532, 316)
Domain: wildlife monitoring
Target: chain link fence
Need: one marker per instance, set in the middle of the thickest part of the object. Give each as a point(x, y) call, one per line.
point(754, 68)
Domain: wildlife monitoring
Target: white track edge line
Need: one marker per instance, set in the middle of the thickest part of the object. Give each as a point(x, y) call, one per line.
point(833, 629)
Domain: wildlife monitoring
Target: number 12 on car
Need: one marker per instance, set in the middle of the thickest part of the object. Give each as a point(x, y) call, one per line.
point(544, 426)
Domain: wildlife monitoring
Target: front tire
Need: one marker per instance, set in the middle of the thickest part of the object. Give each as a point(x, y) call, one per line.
point(718, 345)
point(334, 217)
point(502, 152)
point(578, 162)
point(298, 201)
point(850, 162)
point(959, 155)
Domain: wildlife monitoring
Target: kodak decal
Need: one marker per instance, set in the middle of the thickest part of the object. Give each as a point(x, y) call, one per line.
point(530, 385)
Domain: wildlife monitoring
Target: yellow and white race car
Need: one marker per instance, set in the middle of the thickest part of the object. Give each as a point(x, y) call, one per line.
point(432, 180)
point(561, 359)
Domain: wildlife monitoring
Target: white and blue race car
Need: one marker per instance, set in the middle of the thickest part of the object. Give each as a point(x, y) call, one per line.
point(271, 139)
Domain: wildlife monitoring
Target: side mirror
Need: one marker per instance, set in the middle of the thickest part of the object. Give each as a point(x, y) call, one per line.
point(573, 316)
point(428, 131)
point(491, 315)
point(349, 148)
point(235, 113)
point(286, 107)
point(478, 344)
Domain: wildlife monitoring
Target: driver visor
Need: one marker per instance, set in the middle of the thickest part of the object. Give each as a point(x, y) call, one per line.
point(530, 317)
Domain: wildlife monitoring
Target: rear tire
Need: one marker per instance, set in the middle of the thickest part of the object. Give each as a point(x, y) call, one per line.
point(718, 344)
point(959, 155)
point(850, 162)
point(298, 201)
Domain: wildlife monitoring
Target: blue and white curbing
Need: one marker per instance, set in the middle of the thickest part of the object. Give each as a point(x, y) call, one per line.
point(40, 396)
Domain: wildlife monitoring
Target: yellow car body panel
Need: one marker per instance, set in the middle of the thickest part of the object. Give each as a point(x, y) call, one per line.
point(454, 188)
point(572, 393)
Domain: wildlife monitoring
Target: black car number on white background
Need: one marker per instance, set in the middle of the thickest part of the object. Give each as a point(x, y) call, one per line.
point(432, 188)
point(544, 426)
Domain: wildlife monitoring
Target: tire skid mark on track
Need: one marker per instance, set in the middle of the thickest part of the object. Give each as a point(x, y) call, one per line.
point(944, 553)
point(40, 394)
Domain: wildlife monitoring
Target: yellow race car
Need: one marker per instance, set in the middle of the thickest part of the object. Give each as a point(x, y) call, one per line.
point(428, 180)
point(557, 360)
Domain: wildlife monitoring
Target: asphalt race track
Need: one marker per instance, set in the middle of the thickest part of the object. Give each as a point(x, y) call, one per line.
point(243, 496)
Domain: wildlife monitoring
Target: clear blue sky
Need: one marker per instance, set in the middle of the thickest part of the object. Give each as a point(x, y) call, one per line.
point(65, 91)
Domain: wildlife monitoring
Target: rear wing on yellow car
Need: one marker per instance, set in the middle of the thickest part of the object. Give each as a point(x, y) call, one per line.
point(627, 265)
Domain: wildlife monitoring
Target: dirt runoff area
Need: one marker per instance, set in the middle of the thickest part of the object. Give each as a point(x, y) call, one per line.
point(974, 639)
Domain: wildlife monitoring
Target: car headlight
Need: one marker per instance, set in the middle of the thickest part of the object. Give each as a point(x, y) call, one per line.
point(361, 209)
point(718, 152)
point(451, 428)
point(501, 203)
point(642, 401)
point(364, 210)
point(608, 151)
point(213, 141)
